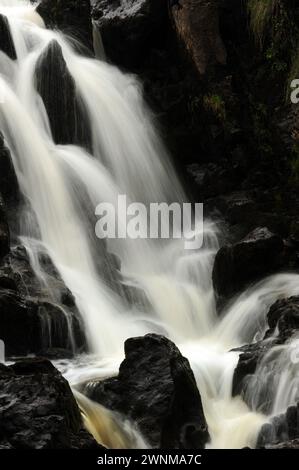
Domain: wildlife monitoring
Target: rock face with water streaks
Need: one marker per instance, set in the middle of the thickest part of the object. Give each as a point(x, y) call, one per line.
point(138, 25)
point(37, 316)
point(130, 28)
point(6, 44)
point(283, 320)
point(156, 388)
point(250, 355)
point(70, 16)
point(38, 410)
point(170, 48)
point(57, 88)
point(9, 187)
point(258, 254)
point(282, 432)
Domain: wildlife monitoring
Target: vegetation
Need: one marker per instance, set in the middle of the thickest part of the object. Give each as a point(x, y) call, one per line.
point(274, 24)
point(216, 105)
point(262, 13)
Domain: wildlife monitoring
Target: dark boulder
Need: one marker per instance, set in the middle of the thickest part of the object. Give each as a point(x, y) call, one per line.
point(129, 28)
point(257, 255)
point(156, 389)
point(37, 316)
point(73, 17)
point(6, 45)
point(38, 410)
point(57, 88)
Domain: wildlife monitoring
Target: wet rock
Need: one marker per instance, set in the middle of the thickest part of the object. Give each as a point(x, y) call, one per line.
point(19, 325)
point(36, 316)
point(285, 445)
point(282, 432)
point(211, 179)
point(129, 28)
point(157, 390)
point(258, 254)
point(7, 45)
point(283, 320)
point(73, 17)
point(56, 354)
point(283, 316)
point(239, 208)
point(250, 356)
point(8, 181)
point(28, 326)
point(38, 410)
point(197, 25)
point(16, 270)
point(4, 232)
point(57, 88)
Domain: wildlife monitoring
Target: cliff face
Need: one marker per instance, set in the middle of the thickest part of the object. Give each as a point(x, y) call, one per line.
point(130, 28)
point(197, 26)
point(218, 75)
point(72, 17)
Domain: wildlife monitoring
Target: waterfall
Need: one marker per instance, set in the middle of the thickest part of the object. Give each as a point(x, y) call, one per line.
point(62, 184)
point(275, 386)
point(108, 428)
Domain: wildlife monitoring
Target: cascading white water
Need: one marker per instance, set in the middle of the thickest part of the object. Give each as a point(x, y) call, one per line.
point(275, 385)
point(62, 184)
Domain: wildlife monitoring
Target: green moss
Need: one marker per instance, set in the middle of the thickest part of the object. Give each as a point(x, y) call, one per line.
point(262, 13)
point(216, 105)
point(274, 24)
